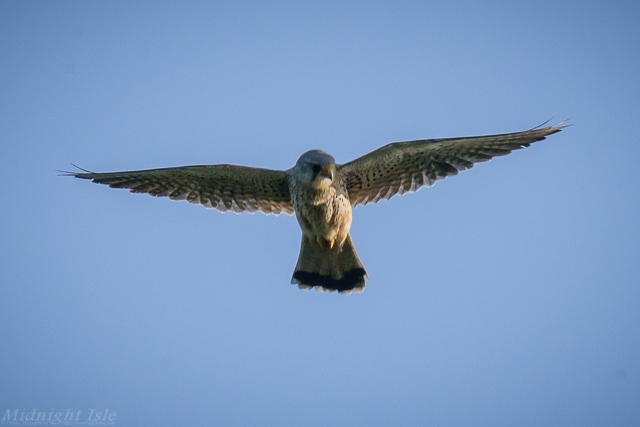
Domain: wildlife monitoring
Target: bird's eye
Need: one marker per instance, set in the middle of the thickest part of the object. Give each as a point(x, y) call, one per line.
point(316, 169)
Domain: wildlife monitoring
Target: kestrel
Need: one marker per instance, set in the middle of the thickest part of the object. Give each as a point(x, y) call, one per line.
point(322, 193)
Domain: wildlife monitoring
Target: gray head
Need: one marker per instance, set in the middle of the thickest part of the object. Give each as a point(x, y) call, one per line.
point(315, 167)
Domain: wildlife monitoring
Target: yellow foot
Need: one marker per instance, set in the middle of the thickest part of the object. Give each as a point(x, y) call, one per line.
point(324, 243)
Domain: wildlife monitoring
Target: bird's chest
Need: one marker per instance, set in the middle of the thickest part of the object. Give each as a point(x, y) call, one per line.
point(323, 212)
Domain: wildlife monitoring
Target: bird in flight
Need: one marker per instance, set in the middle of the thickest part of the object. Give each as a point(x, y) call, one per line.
point(322, 193)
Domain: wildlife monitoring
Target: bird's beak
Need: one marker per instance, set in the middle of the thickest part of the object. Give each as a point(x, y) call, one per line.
point(327, 172)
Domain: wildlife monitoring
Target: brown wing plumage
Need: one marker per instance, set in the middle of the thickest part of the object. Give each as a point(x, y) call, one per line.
point(222, 187)
point(403, 167)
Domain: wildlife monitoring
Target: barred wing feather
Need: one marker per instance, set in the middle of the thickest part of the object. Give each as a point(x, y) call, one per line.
point(402, 167)
point(221, 187)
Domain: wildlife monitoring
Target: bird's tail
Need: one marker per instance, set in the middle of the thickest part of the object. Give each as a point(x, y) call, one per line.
point(329, 269)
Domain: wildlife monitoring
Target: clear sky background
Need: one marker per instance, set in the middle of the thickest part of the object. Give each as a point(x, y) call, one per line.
point(508, 295)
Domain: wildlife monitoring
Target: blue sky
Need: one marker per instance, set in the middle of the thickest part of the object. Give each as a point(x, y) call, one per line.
point(507, 295)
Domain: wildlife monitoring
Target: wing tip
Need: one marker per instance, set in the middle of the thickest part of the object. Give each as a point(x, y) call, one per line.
point(553, 128)
point(85, 174)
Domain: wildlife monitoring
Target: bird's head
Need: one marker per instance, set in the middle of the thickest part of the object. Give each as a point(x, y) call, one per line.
point(316, 168)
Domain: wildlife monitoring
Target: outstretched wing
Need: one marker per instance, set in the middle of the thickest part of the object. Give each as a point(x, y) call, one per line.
point(222, 187)
point(403, 167)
